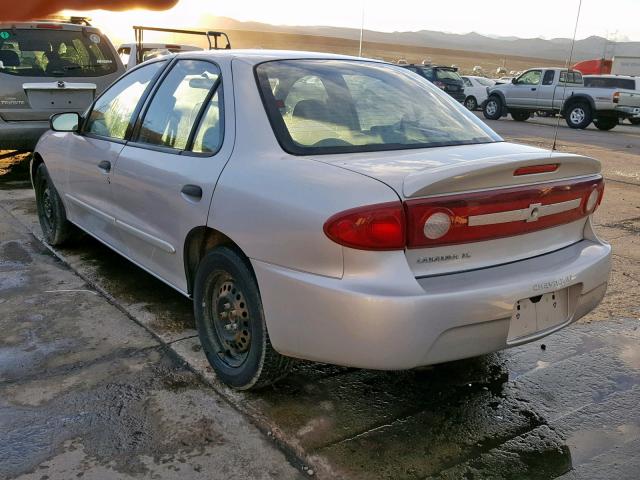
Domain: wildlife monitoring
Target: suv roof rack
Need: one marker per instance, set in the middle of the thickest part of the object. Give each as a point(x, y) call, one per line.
point(210, 34)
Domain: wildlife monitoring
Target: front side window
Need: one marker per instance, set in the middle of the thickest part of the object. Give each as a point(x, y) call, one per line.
point(177, 103)
point(112, 114)
point(55, 53)
point(351, 106)
point(532, 77)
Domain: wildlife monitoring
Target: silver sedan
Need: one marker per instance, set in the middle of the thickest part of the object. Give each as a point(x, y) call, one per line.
point(327, 208)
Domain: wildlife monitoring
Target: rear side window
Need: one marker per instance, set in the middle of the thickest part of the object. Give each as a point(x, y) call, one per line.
point(607, 82)
point(549, 75)
point(112, 113)
point(55, 53)
point(177, 104)
point(571, 77)
point(467, 82)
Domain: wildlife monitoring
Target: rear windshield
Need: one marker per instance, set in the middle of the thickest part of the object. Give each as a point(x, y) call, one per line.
point(340, 106)
point(607, 82)
point(54, 53)
point(446, 74)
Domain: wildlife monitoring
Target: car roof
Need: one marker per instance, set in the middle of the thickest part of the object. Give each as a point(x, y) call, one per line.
point(47, 24)
point(255, 56)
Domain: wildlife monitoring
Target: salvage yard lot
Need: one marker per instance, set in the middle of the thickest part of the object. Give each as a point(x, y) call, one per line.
point(564, 407)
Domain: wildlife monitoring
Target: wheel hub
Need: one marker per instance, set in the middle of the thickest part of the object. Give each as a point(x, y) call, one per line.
point(577, 115)
point(492, 107)
point(231, 321)
point(46, 203)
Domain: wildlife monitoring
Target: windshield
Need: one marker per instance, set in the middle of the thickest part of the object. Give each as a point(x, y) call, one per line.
point(485, 82)
point(54, 53)
point(610, 82)
point(446, 74)
point(338, 106)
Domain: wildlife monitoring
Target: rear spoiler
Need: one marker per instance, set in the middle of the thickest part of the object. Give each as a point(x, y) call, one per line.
point(210, 34)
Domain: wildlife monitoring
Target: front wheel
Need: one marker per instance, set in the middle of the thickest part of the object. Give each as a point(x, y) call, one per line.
point(471, 103)
point(56, 229)
point(231, 324)
point(520, 116)
point(605, 123)
point(578, 115)
point(492, 108)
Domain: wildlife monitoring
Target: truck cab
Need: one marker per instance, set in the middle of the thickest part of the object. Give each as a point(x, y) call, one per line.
point(554, 91)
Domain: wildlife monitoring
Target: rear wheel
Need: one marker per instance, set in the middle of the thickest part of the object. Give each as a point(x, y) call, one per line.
point(231, 323)
point(578, 115)
point(520, 116)
point(471, 103)
point(492, 108)
point(605, 123)
point(56, 229)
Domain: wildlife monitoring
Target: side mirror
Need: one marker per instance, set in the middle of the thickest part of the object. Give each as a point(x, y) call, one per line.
point(513, 80)
point(65, 122)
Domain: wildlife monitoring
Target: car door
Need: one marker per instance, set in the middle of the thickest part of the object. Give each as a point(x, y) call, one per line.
point(523, 92)
point(547, 89)
point(164, 178)
point(92, 154)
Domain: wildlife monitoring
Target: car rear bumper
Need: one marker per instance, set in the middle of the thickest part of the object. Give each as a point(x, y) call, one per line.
point(21, 135)
point(448, 317)
point(628, 112)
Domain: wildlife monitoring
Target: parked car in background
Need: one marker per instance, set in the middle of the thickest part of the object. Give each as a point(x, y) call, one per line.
point(628, 100)
point(475, 90)
point(128, 52)
point(445, 78)
point(48, 67)
point(328, 208)
point(556, 90)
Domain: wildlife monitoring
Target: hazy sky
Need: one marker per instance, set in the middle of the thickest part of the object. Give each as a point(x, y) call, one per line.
point(616, 19)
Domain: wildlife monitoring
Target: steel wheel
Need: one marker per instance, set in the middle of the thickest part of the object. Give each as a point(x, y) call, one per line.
point(230, 318)
point(56, 229)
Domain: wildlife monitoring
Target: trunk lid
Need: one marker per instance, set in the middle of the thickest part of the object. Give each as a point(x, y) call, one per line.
point(39, 100)
point(453, 172)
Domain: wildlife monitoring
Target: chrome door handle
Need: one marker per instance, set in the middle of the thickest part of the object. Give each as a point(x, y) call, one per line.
point(193, 191)
point(105, 165)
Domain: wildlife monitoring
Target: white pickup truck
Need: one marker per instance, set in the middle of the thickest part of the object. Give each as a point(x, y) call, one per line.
point(555, 90)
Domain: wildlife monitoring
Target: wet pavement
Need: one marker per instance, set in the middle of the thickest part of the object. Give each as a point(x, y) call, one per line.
point(564, 407)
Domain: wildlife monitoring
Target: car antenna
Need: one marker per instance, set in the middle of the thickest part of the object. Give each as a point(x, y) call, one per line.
point(566, 78)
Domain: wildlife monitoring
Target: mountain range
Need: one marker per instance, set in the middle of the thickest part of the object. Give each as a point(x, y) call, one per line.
point(552, 49)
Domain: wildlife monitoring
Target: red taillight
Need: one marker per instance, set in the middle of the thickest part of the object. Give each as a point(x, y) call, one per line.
point(533, 169)
point(465, 217)
point(488, 215)
point(49, 26)
point(374, 227)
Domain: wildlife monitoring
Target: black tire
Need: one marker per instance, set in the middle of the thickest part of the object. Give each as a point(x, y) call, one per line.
point(635, 121)
point(578, 115)
point(520, 116)
point(231, 324)
point(605, 123)
point(492, 109)
point(471, 103)
point(56, 229)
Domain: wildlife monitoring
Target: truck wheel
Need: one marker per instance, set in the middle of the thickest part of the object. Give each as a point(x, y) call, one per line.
point(56, 229)
point(492, 108)
point(231, 323)
point(471, 103)
point(605, 123)
point(578, 115)
point(520, 116)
